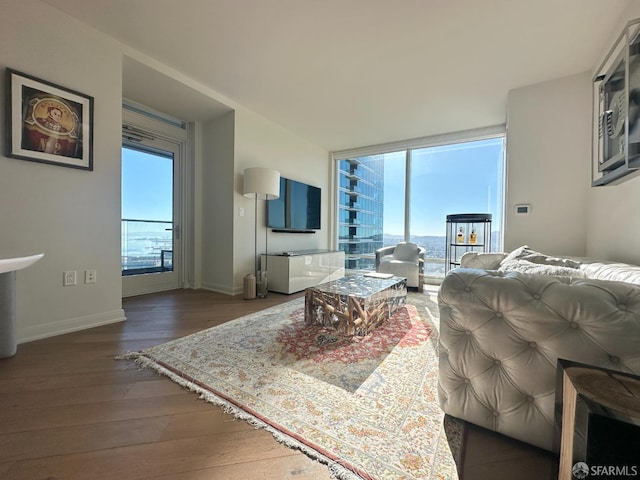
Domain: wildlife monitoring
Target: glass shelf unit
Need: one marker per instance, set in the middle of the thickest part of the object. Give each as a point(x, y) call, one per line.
point(466, 232)
point(616, 111)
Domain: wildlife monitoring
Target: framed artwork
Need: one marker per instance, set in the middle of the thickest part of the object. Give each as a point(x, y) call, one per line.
point(48, 123)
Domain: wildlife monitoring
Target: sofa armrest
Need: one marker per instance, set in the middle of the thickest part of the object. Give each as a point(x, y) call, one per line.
point(486, 261)
point(502, 333)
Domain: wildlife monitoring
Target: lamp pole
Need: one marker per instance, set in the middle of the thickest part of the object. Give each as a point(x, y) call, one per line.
point(265, 182)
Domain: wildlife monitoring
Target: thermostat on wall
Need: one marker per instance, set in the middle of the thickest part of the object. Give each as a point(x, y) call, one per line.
point(522, 209)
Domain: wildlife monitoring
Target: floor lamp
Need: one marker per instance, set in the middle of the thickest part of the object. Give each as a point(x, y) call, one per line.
point(263, 183)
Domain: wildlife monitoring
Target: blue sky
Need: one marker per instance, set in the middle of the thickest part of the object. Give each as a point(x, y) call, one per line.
point(147, 181)
point(460, 178)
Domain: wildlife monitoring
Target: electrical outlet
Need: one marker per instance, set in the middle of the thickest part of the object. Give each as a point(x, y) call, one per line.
point(89, 276)
point(70, 278)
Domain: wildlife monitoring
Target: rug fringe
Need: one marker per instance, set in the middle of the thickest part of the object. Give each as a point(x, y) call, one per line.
point(335, 469)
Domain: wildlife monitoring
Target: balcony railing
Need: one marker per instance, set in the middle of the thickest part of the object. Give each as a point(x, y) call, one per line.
point(147, 246)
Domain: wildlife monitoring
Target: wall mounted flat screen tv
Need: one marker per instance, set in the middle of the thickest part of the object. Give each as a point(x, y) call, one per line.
point(297, 209)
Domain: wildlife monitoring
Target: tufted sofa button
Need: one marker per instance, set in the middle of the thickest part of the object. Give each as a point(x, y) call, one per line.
point(573, 325)
point(530, 399)
point(497, 362)
point(533, 345)
point(495, 413)
point(467, 289)
point(614, 359)
point(622, 306)
point(467, 381)
point(467, 332)
point(499, 314)
point(537, 297)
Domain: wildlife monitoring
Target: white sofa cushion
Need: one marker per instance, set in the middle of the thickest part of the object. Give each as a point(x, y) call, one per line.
point(485, 261)
point(614, 271)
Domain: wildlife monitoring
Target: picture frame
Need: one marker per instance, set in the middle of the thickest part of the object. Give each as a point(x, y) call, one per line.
point(48, 123)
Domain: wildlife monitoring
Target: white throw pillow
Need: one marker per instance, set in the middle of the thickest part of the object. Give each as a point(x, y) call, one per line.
point(525, 266)
point(525, 253)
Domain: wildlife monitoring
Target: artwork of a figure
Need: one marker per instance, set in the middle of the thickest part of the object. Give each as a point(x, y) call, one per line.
point(51, 124)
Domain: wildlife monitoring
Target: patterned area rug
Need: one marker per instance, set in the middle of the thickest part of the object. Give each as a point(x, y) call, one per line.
point(367, 407)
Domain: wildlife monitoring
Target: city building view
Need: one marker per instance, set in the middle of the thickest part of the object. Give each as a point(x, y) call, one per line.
point(360, 211)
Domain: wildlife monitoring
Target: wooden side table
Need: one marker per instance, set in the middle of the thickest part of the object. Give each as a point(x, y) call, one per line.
point(597, 419)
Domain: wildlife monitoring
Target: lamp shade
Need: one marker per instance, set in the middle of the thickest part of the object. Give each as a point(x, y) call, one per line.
point(262, 182)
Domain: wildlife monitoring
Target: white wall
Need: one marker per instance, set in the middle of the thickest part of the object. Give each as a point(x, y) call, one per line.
point(613, 221)
point(548, 166)
point(262, 143)
point(73, 216)
point(217, 185)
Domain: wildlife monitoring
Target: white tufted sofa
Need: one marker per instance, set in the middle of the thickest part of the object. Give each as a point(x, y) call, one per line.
point(501, 334)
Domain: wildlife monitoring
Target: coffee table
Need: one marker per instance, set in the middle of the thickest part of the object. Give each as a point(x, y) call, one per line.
point(354, 305)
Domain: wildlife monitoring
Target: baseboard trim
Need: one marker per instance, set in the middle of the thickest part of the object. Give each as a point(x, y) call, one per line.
point(213, 287)
point(38, 332)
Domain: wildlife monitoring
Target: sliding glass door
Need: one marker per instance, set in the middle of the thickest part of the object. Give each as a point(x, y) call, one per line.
point(405, 195)
point(150, 217)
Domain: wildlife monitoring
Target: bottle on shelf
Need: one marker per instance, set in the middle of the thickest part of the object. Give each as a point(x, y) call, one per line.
point(473, 238)
point(460, 237)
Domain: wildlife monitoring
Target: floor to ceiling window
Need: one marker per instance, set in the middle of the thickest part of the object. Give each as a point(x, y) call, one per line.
point(406, 194)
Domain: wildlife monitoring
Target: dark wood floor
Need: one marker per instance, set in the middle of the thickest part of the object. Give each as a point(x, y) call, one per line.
point(68, 410)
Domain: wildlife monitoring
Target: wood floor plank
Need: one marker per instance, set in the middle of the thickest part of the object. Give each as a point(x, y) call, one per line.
point(84, 414)
point(24, 384)
point(195, 424)
point(83, 438)
point(156, 459)
point(280, 468)
point(153, 386)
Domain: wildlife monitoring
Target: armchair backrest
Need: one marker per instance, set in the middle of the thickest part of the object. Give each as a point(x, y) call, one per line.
point(406, 251)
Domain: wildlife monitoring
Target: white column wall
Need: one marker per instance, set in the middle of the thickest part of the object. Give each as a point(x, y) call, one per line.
point(548, 155)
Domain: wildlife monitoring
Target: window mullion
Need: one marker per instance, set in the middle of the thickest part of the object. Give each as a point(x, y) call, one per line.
point(407, 196)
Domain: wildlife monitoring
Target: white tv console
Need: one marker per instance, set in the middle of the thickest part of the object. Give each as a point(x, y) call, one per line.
point(290, 272)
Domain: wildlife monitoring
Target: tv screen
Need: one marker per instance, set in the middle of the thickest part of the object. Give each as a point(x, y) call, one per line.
point(297, 208)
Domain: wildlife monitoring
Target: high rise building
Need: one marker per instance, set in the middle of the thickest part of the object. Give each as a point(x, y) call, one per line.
point(360, 222)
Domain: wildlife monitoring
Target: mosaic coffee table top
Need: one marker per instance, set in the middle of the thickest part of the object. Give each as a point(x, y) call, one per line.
point(358, 285)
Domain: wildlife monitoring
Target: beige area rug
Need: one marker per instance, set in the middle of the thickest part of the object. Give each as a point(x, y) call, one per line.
point(366, 407)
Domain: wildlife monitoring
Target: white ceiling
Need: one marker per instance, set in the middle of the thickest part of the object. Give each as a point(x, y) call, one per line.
point(349, 73)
